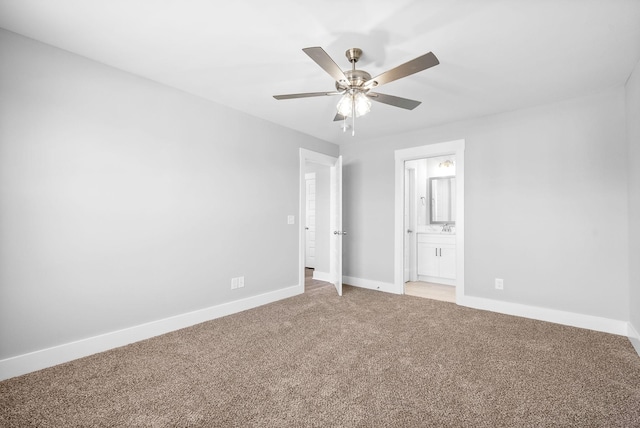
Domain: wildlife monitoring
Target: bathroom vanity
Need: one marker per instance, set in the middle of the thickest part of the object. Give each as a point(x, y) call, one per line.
point(436, 257)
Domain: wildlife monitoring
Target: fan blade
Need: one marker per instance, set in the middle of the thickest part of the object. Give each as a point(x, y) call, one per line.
point(305, 95)
point(407, 69)
point(324, 60)
point(404, 103)
point(338, 117)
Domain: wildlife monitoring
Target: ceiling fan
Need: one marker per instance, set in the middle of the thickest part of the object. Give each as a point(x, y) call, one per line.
point(355, 85)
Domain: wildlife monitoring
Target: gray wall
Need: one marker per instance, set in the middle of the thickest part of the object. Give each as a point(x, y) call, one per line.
point(633, 136)
point(123, 201)
point(545, 204)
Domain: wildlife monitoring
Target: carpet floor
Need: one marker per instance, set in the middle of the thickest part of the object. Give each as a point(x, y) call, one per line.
point(368, 359)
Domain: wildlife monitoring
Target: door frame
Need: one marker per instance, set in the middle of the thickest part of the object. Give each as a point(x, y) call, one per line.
point(456, 148)
point(410, 205)
point(322, 159)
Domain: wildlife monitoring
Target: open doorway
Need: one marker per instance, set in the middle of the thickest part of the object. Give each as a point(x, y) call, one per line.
point(429, 225)
point(316, 222)
point(323, 174)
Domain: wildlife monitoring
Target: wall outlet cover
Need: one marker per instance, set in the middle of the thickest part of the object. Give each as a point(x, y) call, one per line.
point(499, 284)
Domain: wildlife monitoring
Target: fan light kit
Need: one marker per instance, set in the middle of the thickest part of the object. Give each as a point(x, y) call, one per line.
point(355, 85)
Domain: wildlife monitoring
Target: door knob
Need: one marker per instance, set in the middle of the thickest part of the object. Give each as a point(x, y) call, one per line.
point(409, 231)
point(344, 233)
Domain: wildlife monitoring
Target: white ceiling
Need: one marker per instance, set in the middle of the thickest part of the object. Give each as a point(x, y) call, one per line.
point(495, 55)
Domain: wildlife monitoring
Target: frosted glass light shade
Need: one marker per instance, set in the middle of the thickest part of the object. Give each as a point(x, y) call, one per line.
point(362, 104)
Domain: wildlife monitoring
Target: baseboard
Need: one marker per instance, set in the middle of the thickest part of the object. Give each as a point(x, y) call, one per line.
point(321, 276)
point(371, 284)
point(606, 325)
point(634, 337)
point(590, 322)
point(26, 363)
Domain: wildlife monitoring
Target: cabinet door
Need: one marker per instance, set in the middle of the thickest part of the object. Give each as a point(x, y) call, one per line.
point(447, 261)
point(427, 259)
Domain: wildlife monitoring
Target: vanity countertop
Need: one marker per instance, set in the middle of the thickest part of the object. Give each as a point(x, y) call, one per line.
point(439, 233)
point(435, 230)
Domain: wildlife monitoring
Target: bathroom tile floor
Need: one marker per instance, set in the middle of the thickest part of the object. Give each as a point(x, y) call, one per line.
point(429, 290)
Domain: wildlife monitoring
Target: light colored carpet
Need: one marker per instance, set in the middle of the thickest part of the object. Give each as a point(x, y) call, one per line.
point(368, 359)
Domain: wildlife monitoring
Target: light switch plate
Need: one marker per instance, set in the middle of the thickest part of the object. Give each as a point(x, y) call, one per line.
point(291, 219)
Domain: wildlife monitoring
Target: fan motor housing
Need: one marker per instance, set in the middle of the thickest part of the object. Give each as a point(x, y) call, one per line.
point(356, 79)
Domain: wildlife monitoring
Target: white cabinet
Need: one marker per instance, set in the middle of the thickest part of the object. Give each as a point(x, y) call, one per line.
point(436, 257)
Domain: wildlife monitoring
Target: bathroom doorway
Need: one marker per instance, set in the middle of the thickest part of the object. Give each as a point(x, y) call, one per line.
point(429, 233)
point(430, 217)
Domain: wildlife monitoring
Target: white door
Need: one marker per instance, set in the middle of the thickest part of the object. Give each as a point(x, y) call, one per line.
point(310, 227)
point(335, 208)
point(448, 261)
point(428, 259)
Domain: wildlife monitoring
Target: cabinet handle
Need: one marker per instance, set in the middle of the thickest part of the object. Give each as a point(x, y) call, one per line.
point(436, 252)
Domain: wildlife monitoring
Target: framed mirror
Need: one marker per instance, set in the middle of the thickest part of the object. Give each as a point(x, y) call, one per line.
point(442, 191)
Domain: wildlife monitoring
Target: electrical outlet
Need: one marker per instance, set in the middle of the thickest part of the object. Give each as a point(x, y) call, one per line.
point(241, 282)
point(499, 284)
point(234, 283)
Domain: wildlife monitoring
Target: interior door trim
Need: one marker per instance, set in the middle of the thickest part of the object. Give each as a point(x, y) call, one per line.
point(320, 158)
point(431, 150)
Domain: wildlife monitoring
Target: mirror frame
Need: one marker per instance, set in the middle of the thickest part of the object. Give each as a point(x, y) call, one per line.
point(431, 221)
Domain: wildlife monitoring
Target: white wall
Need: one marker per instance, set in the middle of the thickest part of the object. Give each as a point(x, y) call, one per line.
point(545, 205)
point(633, 135)
point(123, 201)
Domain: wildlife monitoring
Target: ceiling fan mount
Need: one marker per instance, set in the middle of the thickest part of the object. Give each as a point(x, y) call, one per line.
point(353, 54)
point(355, 85)
point(356, 78)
